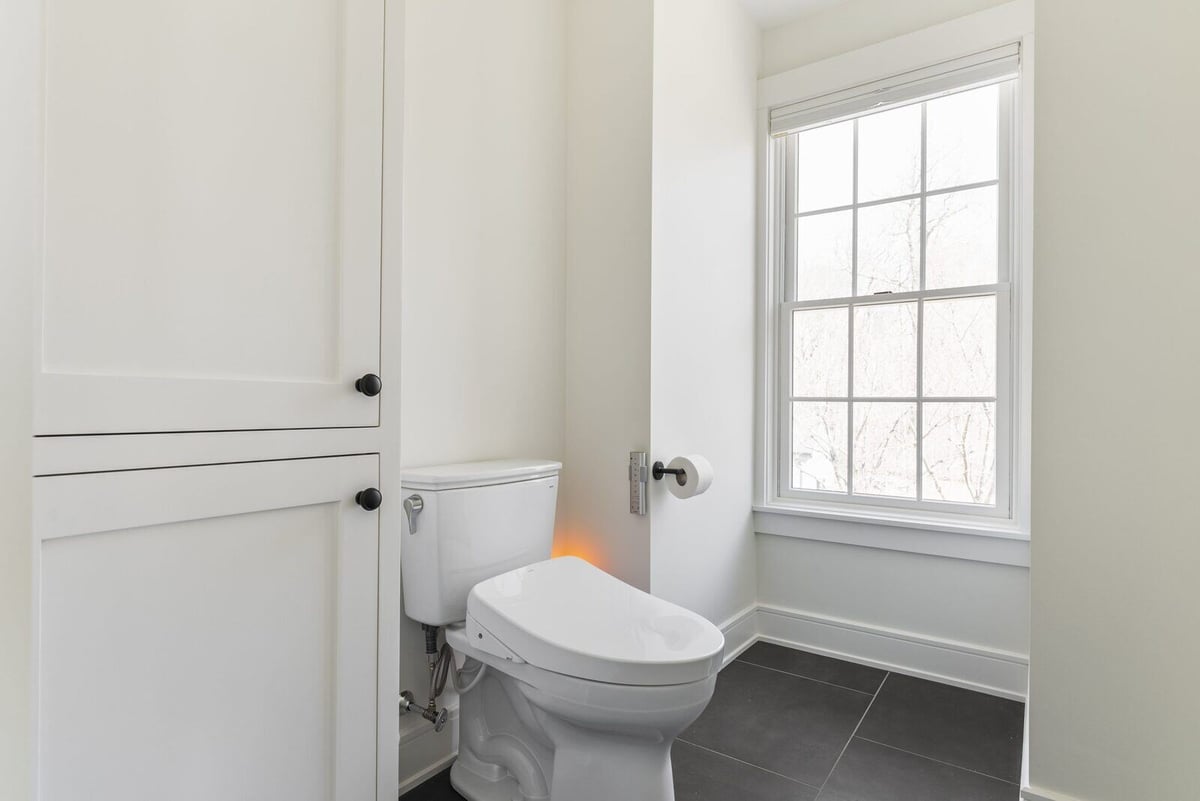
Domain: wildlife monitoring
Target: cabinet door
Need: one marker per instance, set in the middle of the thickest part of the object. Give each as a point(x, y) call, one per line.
point(208, 633)
point(211, 243)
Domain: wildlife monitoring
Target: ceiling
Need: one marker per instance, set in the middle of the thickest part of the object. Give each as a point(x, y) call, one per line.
point(771, 13)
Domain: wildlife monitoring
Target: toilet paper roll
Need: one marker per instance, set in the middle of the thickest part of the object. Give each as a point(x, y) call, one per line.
point(697, 476)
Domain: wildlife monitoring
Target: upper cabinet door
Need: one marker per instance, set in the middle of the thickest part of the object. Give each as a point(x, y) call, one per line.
point(212, 217)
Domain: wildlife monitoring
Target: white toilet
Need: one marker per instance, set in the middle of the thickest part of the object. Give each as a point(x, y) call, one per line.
point(586, 680)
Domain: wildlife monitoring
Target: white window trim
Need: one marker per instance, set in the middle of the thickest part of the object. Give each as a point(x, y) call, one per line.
point(904, 529)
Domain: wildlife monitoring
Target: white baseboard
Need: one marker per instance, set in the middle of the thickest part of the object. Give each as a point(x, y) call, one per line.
point(988, 670)
point(1032, 794)
point(424, 752)
point(1025, 744)
point(741, 631)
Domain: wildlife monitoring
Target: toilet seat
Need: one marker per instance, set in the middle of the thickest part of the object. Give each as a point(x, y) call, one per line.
point(566, 616)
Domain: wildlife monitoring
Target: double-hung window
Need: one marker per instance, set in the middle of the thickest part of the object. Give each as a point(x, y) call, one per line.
point(892, 265)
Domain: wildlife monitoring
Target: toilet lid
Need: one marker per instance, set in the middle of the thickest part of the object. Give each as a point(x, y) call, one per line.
point(569, 617)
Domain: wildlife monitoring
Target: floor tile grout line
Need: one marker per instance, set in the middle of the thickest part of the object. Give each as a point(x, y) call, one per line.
point(807, 678)
point(744, 762)
point(850, 739)
point(939, 761)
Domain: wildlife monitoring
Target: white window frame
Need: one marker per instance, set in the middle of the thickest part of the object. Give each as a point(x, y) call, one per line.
point(777, 507)
point(783, 166)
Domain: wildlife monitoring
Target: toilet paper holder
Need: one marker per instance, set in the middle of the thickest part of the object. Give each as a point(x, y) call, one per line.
point(659, 470)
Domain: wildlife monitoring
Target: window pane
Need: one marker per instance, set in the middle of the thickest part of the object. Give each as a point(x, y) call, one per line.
point(825, 167)
point(889, 154)
point(961, 138)
point(885, 350)
point(963, 244)
point(823, 255)
point(960, 347)
point(959, 452)
point(819, 446)
point(889, 247)
point(820, 348)
point(885, 449)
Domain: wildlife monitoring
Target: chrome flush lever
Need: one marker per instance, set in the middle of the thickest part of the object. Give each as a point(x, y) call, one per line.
point(413, 505)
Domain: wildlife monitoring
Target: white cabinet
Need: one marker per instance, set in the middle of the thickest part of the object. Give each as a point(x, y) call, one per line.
point(210, 289)
point(212, 223)
point(208, 633)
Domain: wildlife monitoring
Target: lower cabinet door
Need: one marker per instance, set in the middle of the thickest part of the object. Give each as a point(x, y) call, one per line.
point(208, 633)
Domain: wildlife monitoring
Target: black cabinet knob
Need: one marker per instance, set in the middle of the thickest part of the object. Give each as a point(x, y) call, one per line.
point(369, 385)
point(369, 499)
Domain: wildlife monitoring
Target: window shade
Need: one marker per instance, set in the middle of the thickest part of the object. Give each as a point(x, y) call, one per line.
point(990, 66)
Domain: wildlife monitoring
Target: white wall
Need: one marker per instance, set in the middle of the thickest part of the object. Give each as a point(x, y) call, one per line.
point(853, 24)
point(660, 221)
point(484, 250)
point(20, 33)
point(955, 620)
point(609, 94)
point(1115, 551)
point(964, 601)
point(484, 230)
point(702, 299)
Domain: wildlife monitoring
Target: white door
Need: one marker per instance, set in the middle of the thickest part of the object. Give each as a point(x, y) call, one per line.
point(208, 633)
point(211, 246)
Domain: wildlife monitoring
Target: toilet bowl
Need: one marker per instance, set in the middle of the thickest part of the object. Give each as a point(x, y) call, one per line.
point(588, 681)
point(574, 683)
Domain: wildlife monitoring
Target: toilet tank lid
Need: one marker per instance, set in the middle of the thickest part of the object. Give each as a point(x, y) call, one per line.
point(478, 474)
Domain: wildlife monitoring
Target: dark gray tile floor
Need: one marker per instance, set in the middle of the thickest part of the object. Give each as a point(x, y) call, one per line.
point(787, 725)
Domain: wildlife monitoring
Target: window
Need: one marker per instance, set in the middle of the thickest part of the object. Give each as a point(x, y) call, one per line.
point(893, 261)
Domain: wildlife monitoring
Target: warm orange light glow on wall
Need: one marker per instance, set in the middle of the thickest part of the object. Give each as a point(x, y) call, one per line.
point(575, 543)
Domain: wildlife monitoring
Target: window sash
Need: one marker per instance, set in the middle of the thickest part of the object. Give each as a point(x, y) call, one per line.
point(782, 254)
point(1001, 508)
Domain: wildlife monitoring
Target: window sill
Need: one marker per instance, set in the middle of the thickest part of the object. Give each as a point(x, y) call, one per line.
point(979, 539)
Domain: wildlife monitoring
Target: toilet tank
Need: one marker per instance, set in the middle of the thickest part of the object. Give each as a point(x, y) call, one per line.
point(478, 520)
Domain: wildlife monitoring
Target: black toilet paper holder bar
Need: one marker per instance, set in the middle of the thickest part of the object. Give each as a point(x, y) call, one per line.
point(659, 470)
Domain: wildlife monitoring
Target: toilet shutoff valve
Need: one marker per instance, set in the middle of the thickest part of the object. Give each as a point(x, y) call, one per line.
point(431, 713)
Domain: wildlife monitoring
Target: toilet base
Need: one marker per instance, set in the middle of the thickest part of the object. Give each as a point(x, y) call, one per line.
point(476, 788)
point(577, 785)
point(530, 735)
point(586, 767)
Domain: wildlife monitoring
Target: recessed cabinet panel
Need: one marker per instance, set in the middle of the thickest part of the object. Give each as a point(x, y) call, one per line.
point(208, 632)
point(211, 254)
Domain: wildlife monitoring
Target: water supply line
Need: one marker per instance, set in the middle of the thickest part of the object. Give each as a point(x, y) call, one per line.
point(441, 668)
